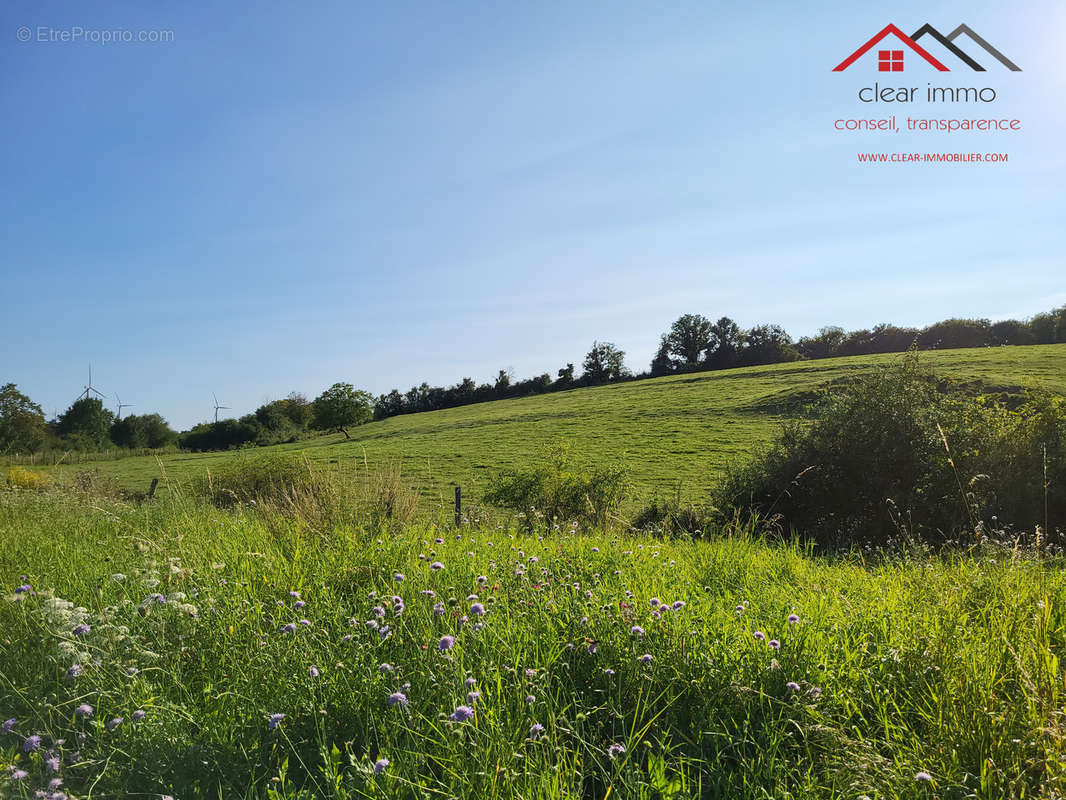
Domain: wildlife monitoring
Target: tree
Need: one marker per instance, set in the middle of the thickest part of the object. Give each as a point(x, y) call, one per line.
point(690, 338)
point(824, 345)
point(603, 363)
point(342, 406)
point(767, 344)
point(727, 342)
point(22, 425)
point(147, 430)
point(566, 375)
point(86, 425)
point(662, 364)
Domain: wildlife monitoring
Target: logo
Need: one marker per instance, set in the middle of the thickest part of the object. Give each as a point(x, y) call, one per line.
point(892, 60)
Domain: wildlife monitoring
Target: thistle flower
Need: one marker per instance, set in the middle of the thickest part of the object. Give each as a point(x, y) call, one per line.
point(647, 658)
point(275, 720)
point(447, 642)
point(289, 628)
point(114, 723)
point(637, 631)
point(397, 697)
point(313, 671)
point(759, 636)
point(923, 777)
point(461, 714)
point(31, 743)
point(399, 576)
point(139, 714)
point(436, 565)
point(380, 765)
point(793, 619)
point(616, 750)
point(774, 644)
point(81, 630)
point(8, 725)
point(678, 605)
point(75, 670)
point(536, 730)
point(84, 710)
point(477, 609)
point(792, 686)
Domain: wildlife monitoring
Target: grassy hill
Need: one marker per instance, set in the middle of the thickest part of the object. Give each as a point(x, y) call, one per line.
point(676, 430)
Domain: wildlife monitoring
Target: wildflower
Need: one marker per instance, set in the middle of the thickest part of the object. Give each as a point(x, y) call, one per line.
point(793, 619)
point(473, 697)
point(592, 648)
point(131, 671)
point(55, 783)
point(536, 730)
point(23, 589)
point(792, 686)
point(678, 605)
point(436, 565)
point(52, 763)
point(774, 644)
point(740, 609)
point(531, 698)
point(470, 682)
point(289, 628)
point(295, 594)
point(74, 671)
point(299, 604)
point(461, 714)
point(814, 692)
point(386, 667)
point(306, 622)
point(8, 725)
point(616, 750)
point(378, 611)
point(399, 576)
point(759, 636)
point(313, 671)
point(84, 710)
point(397, 697)
point(655, 602)
point(608, 672)
point(637, 631)
point(595, 549)
point(478, 609)
point(438, 609)
point(647, 658)
point(380, 765)
point(19, 774)
point(428, 593)
point(481, 579)
point(275, 720)
point(31, 743)
point(114, 723)
point(446, 642)
point(923, 777)
point(81, 630)
point(139, 714)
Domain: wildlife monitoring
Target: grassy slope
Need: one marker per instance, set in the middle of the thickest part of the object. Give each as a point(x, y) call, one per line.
point(684, 428)
point(951, 666)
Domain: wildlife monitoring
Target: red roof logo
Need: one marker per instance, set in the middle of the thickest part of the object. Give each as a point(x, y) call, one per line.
point(889, 60)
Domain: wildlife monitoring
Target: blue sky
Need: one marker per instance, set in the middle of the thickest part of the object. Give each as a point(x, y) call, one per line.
point(288, 195)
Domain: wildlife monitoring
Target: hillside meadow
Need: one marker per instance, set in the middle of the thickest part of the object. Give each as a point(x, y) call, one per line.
point(176, 650)
point(675, 434)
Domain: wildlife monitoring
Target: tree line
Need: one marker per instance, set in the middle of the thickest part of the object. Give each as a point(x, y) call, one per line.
point(692, 344)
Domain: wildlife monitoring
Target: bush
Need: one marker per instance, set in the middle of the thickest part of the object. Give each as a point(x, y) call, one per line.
point(895, 452)
point(556, 492)
point(20, 478)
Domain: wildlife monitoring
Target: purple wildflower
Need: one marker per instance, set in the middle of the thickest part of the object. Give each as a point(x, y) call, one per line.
point(655, 602)
point(8, 725)
point(386, 667)
point(114, 723)
point(299, 604)
point(438, 609)
point(647, 658)
point(473, 697)
point(637, 631)
point(616, 750)
point(81, 630)
point(792, 686)
point(139, 714)
point(275, 720)
point(478, 609)
point(678, 605)
point(19, 774)
point(536, 730)
point(295, 594)
point(289, 628)
point(759, 636)
point(398, 697)
point(52, 762)
point(399, 576)
point(470, 682)
point(773, 644)
point(793, 619)
point(447, 642)
point(461, 714)
point(378, 611)
point(436, 565)
point(380, 765)
point(530, 698)
point(923, 777)
point(75, 670)
point(23, 589)
point(313, 671)
point(306, 622)
point(31, 743)
point(55, 783)
point(84, 710)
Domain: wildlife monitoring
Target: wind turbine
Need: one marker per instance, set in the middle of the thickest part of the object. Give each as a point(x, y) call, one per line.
point(121, 405)
point(90, 388)
point(217, 406)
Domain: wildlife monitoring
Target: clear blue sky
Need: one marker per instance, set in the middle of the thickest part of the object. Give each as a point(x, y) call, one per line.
point(288, 195)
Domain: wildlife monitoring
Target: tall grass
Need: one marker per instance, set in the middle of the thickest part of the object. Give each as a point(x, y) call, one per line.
point(891, 668)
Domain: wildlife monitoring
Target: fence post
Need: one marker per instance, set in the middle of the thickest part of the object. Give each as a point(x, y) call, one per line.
point(151, 489)
point(458, 507)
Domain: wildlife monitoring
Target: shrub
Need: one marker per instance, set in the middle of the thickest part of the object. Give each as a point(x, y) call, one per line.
point(21, 478)
point(671, 516)
point(895, 452)
point(557, 491)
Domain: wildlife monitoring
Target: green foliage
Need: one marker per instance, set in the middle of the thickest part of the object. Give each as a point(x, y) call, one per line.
point(690, 339)
point(341, 407)
point(22, 425)
point(604, 363)
point(86, 425)
point(948, 666)
point(556, 491)
point(143, 431)
point(252, 478)
point(894, 453)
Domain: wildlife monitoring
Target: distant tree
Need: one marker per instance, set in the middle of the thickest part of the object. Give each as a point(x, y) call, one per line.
point(298, 409)
point(689, 339)
point(141, 431)
point(1043, 328)
point(86, 425)
point(389, 405)
point(825, 345)
point(22, 425)
point(727, 341)
point(566, 376)
point(603, 363)
point(767, 344)
point(341, 407)
point(1009, 331)
point(503, 382)
point(953, 333)
point(662, 364)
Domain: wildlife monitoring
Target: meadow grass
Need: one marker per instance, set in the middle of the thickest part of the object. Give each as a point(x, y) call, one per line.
point(674, 432)
point(211, 621)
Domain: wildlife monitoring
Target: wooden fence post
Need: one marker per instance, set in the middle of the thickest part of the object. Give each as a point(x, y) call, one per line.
point(458, 507)
point(151, 489)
